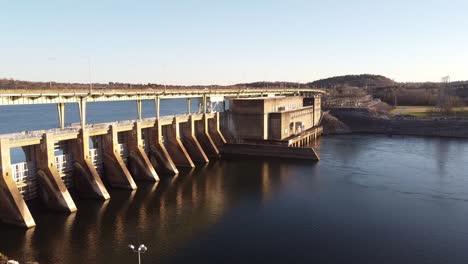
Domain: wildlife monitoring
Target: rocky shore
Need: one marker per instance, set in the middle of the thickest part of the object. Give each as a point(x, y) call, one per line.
point(365, 120)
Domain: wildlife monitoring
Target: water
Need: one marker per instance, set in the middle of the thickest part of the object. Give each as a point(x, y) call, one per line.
point(371, 199)
point(40, 117)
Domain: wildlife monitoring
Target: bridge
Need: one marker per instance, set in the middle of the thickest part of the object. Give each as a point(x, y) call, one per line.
point(89, 158)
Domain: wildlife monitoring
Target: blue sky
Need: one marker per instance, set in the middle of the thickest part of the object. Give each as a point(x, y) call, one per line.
point(225, 42)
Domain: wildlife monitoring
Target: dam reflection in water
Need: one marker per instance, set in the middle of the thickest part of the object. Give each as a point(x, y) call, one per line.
point(371, 199)
point(164, 216)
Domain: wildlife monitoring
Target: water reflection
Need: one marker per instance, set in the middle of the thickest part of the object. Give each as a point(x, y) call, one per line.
point(377, 194)
point(164, 216)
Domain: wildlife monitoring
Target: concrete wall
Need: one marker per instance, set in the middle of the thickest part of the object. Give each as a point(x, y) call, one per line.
point(305, 153)
point(284, 124)
point(317, 109)
point(275, 126)
point(250, 115)
point(248, 111)
point(316, 102)
point(275, 104)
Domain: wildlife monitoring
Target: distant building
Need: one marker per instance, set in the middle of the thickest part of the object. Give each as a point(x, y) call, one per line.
point(273, 118)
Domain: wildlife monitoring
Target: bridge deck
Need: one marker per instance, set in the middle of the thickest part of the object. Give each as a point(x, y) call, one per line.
point(14, 96)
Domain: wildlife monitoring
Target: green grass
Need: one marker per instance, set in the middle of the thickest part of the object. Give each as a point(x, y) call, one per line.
point(429, 111)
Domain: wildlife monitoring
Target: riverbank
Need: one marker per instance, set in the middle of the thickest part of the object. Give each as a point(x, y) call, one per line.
point(364, 120)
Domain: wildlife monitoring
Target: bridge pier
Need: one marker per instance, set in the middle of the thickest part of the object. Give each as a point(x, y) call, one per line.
point(175, 147)
point(88, 182)
point(13, 208)
point(215, 131)
point(82, 110)
point(203, 136)
point(61, 114)
point(159, 156)
point(191, 143)
point(189, 105)
point(116, 172)
point(53, 191)
point(139, 111)
point(138, 162)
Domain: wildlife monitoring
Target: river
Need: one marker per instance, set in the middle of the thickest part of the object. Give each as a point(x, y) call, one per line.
point(371, 199)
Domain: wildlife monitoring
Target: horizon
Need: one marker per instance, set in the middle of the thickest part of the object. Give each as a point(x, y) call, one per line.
point(233, 84)
point(232, 43)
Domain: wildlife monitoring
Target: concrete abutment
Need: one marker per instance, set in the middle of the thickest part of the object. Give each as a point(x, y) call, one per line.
point(159, 156)
point(115, 169)
point(215, 131)
point(54, 193)
point(13, 208)
point(139, 163)
point(191, 143)
point(175, 146)
point(204, 137)
point(88, 183)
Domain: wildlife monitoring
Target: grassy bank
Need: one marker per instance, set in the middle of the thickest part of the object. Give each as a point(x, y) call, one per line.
point(429, 111)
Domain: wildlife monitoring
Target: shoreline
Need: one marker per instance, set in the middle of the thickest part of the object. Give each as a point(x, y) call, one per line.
point(367, 121)
point(391, 135)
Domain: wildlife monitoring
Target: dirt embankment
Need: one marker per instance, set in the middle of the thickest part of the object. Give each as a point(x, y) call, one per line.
point(332, 125)
point(377, 120)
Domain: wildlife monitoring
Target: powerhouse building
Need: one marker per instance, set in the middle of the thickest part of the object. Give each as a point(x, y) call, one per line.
point(273, 118)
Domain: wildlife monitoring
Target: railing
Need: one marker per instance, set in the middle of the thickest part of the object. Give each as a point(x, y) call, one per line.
point(123, 151)
point(24, 174)
point(96, 158)
point(317, 131)
point(64, 163)
point(146, 146)
point(22, 171)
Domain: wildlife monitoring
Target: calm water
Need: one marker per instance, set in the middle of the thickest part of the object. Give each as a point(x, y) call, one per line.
point(371, 199)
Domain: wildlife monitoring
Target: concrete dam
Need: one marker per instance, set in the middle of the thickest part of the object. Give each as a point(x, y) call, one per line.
point(90, 158)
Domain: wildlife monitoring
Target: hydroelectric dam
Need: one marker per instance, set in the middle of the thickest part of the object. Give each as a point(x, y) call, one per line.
point(90, 158)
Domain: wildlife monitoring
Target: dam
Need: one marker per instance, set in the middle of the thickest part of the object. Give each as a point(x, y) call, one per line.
point(90, 158)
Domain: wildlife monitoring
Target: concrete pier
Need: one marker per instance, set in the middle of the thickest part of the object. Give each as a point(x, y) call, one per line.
point(175, 146)
point(13, 208)
point(54, 193)
point(139, 163)
point(87, 180)
point(215, 131)
point(116, 172)
point(204, 137)
point(159, 156)
point(191, 143)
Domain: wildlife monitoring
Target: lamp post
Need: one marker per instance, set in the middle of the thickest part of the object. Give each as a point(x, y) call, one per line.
point(141, 249)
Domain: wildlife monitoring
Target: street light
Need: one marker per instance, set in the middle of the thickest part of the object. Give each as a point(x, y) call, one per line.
point(141, 249)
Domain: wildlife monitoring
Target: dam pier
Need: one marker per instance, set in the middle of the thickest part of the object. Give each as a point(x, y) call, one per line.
point(88, 159)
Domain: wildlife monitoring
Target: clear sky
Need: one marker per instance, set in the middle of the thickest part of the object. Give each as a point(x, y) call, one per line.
point(225, 42)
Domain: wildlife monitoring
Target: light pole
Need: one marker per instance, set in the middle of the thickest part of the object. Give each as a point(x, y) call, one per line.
point(141, 249)
point(90, 74)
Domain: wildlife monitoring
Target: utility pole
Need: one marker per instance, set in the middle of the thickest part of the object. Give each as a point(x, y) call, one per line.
point(90, 79)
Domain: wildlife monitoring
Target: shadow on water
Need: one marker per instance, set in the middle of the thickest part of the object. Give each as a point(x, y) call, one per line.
point(371, 199)
point(164, 215)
